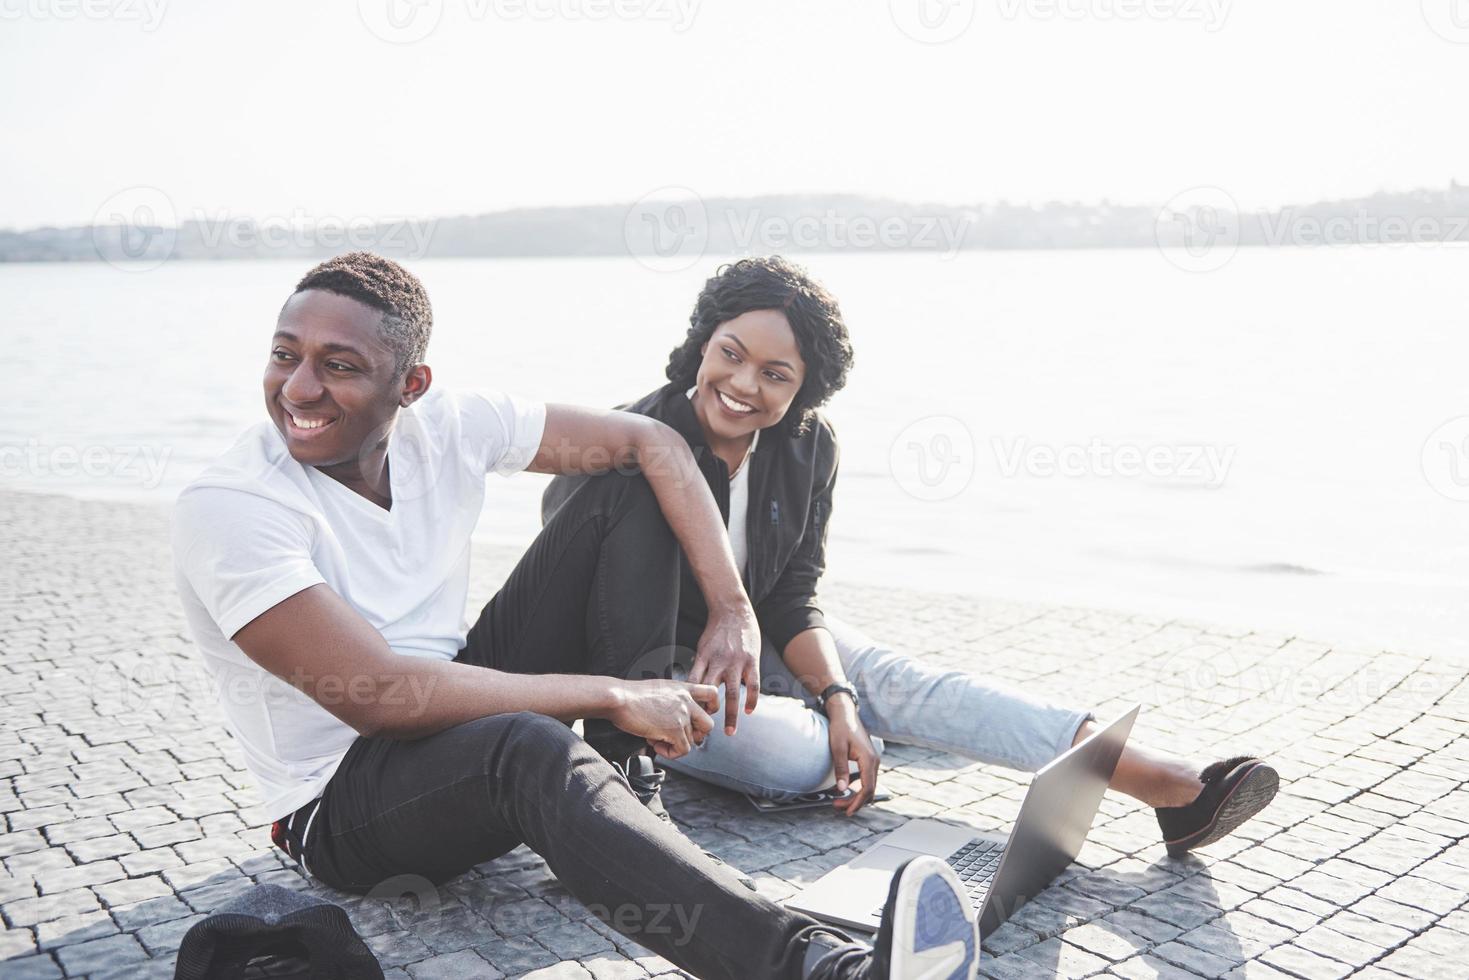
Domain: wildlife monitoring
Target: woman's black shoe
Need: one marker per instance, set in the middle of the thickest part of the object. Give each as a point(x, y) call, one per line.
point(1234, 791)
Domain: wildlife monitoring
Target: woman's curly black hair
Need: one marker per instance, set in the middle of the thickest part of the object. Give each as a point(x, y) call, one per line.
point(772, 283)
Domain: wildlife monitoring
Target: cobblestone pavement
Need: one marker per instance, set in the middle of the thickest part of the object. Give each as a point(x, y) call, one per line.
point(126, 806)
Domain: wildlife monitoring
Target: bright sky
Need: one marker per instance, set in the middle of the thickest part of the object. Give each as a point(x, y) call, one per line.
point(282, 107)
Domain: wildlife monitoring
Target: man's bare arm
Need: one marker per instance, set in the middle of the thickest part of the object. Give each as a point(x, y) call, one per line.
point(589, 441)
point(321, 645)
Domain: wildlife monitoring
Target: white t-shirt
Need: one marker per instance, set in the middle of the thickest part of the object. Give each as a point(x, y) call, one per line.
point(739, 508)
point(257, 527)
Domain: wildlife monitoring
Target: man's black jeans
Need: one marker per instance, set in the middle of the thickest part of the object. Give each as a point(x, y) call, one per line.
point(596, 593)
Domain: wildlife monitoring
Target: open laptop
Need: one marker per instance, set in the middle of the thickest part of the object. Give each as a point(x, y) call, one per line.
point(999, 874)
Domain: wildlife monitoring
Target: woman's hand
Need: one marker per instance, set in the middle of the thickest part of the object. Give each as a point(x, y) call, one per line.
point(850, 743)
point(671, 715)
point(729, 654)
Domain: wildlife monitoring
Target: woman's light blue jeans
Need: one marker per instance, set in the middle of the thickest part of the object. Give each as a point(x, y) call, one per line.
point(782, 750)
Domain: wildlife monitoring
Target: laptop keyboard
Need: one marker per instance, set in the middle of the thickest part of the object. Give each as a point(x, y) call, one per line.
point(975, 865)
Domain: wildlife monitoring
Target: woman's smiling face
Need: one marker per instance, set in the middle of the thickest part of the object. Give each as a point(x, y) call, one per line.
point(750, 373)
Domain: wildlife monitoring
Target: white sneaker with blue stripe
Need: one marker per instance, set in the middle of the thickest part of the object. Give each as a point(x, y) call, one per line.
point(928, 932)
point(928, 926)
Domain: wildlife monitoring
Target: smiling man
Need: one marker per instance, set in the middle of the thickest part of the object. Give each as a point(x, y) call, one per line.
point(323, 564)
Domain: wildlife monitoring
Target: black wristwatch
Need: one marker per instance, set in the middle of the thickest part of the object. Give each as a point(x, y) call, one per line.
point(839, 688)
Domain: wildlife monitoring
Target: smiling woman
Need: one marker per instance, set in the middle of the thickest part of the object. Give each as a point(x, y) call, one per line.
point(346, 355)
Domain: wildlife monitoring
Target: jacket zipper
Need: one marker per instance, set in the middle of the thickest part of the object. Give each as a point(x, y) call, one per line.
point(775, 534)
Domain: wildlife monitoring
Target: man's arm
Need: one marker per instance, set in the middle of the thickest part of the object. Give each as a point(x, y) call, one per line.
point(589, 441)
point(319, 644)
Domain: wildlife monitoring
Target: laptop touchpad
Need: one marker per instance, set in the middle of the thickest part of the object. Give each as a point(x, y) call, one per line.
point(885, 858)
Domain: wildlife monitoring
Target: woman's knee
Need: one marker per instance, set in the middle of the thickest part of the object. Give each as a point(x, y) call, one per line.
point(781, 749)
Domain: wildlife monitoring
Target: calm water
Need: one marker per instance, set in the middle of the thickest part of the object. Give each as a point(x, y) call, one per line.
point(1102, 428)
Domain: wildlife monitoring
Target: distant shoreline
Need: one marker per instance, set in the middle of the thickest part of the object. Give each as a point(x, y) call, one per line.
point(142, 225)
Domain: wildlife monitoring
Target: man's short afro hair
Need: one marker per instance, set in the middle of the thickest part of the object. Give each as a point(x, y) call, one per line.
point(383, 285)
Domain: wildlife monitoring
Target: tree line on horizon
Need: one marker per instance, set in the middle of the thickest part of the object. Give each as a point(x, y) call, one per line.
point(782, 223)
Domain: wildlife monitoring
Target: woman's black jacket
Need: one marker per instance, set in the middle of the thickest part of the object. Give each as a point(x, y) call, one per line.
point(791, 484)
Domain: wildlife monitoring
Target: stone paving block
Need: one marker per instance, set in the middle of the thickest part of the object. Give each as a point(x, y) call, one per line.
point(38, 967)
point(453, 966)
point(130, 918)
point(1109, 941)
point(166, 936)
point(514, 956)
point(561, 971)
point(1304, 963)
point(97, 954)
point(1422, 964)
point(17, 942)
point(613, 968)
point(1420, 893)
point(1148, 967)
point(73, 929)
point(32, 911)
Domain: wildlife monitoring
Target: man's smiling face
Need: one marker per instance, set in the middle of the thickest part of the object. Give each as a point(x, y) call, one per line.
point(330, 383)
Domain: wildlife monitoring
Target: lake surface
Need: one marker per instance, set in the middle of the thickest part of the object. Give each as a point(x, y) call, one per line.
point(1259, 445)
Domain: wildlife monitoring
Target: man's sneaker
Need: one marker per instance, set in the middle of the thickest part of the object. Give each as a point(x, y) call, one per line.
point(928, 932)
point(646, 780)
point(1234, 791)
